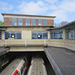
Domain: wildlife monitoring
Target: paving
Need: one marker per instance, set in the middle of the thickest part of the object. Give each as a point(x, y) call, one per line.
point(62, 60)
point(2, 49)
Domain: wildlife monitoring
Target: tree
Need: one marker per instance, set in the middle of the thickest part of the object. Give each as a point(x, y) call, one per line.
point(1, 23)
point(63, 23)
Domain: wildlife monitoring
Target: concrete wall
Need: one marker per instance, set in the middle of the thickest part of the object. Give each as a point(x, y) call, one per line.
point(28, 42)
point(70, 44)
point(27, 49)
point(26, 38)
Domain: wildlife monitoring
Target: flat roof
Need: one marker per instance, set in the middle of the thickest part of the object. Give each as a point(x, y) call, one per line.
point(69, 24)
point(62, 60)
point(7, 26)
point(27, 15)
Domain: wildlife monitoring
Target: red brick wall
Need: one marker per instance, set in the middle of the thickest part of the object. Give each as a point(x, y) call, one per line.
point(51, 22)
point(24, 21)
point(7, 21)
point(17, 21)
point(30, 21)
point(42, 21)
point(36, 21)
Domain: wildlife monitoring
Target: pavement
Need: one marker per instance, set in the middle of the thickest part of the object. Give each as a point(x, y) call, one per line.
point(3, 50)
point(62, 60)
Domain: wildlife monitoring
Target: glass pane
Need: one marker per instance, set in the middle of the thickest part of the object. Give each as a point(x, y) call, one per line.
point(70, 33)
point(7, 35)
point(20, 21)
point(39, 21)
point(39, 35)
point(56, 34)
point(45, 35)
point(33, 22)
point(14, 21)
point(18, 35)
point(45, 21)
point(34, 35)
point(0, 35)
point(27, 21)
point(13, 35)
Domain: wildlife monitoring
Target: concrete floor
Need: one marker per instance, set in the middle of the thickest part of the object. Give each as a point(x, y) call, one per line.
point(63, 60)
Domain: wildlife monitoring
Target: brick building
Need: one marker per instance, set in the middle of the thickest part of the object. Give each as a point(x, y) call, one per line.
point(29, 32)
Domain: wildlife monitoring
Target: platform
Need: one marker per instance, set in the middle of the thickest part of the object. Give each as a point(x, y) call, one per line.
point(3, 50)
point(62, 60)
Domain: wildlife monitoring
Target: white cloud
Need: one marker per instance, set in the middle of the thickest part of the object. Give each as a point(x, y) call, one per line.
point(63, 9)
point(4, 8)
point(60, 15)
point(68, 6)
point(33, 8)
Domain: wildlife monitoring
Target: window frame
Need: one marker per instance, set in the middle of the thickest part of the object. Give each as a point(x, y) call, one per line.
point(16, 21)
point(39, 21)
point(52, 35)
point(33, 22)
point(27, 22)
point(20, 22)
point(44, 21)
point(37, 34)
point(1, 35)
point(67, 30)
point(15, 35)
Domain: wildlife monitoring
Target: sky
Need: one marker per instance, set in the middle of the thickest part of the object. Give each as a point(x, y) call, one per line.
point(64, 10)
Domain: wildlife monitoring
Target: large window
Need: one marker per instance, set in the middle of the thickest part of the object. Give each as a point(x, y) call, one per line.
point(20, 21)
point(13, 35)
point(70, 33)
point(39, 35)
point(27, 21)
point(45, 22)
point(0, 35)
point(33, 22)
point(39, 21)
point(56, 34)
point(14, 21)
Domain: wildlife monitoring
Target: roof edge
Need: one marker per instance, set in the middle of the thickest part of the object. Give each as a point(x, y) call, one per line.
point(28, 15)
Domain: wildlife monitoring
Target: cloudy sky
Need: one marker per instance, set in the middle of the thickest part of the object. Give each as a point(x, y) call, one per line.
point(64, 10)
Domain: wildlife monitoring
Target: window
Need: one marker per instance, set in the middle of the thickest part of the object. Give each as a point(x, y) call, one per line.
point(14, 21)
point(56, 34)
point(33, 22)
point(0, 35)
point(18, 34)
point(70, 33)
point(45, 35)
point(7, 35)
point(39, 21)
point(39, 35)
point(45, 22)
point(34, 35)
point(13, 35)
point(27, 21)
point(20, 21)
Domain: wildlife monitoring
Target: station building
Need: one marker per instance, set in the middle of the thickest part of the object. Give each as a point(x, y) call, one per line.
point(34, 32)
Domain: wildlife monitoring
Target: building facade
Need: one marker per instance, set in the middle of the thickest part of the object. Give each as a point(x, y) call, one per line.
point(33, 32)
